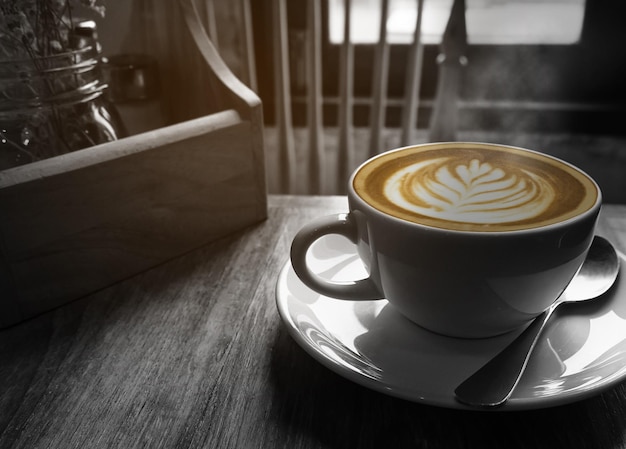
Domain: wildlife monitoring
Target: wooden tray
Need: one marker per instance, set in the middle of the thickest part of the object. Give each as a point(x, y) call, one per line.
point(79, 222)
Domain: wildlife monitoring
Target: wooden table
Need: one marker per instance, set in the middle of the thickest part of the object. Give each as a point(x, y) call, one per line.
point(194, 354)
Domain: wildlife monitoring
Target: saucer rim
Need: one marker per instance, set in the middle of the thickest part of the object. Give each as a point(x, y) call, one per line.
point(450, 402)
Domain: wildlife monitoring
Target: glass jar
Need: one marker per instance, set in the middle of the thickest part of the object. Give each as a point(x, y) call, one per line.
point(53, 105)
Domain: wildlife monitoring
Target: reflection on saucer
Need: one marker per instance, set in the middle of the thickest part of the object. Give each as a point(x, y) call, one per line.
point(581, 353)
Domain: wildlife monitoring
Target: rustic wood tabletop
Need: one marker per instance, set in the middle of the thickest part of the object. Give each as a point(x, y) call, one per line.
point(193, 353)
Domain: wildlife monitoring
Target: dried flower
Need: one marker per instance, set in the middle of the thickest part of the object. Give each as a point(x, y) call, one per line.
point(37, 28)
point(40, 114)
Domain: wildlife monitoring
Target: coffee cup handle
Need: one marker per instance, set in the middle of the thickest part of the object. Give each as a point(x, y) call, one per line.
point(342, 224)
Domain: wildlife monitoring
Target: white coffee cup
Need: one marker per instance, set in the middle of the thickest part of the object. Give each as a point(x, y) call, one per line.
point(465, 239)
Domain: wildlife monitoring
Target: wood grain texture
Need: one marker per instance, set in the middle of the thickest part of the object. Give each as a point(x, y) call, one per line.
point(111, 211)
point(192, 354)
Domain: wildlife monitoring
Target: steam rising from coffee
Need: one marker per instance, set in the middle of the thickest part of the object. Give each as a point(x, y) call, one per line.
point(477, 192)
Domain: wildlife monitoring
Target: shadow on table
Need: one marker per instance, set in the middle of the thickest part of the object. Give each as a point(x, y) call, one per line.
point(316, 407)
point(108, 329)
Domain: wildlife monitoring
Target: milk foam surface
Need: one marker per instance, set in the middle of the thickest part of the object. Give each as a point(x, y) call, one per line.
point(477, 192)
point(475, 187)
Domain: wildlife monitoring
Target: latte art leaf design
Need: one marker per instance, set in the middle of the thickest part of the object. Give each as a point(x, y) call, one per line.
point(474, 192)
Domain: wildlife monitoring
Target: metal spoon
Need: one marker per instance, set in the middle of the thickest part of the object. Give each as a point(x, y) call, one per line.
point(493, 384)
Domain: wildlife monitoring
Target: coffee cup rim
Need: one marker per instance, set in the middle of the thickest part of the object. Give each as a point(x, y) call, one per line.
point(592, 210)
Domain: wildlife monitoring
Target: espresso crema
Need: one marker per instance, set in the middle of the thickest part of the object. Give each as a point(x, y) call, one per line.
point(475, 187)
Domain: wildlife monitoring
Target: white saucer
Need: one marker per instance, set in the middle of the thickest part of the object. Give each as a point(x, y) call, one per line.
point(581, 353)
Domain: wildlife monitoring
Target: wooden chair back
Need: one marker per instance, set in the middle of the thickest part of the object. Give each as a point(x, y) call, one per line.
point(318, 158)
point(322, 176)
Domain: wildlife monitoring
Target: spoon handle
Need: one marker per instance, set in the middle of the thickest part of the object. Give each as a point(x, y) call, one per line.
point(492, 384)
